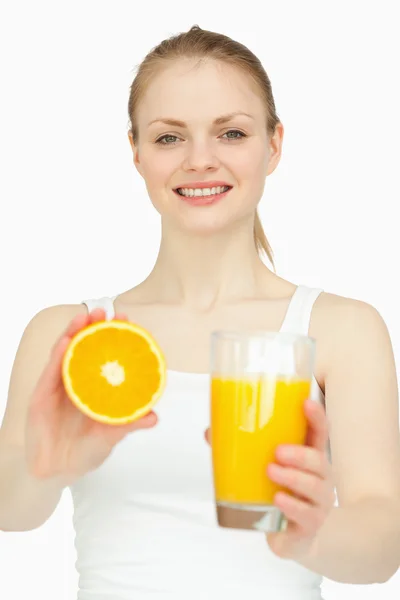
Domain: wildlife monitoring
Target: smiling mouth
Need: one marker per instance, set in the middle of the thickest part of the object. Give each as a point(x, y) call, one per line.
point(202, 192)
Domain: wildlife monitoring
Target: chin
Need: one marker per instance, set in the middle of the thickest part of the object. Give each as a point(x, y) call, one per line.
point(207, 224)
point(206, 219)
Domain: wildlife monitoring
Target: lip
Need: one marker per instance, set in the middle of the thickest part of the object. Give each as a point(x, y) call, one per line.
point(202, 184)
point(203, 200)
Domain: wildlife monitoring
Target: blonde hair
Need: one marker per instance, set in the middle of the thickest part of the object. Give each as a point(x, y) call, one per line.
point(202, 44)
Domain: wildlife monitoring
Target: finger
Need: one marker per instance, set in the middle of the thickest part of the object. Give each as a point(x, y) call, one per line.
point(96, 315)
point(317, 433)
point(207, 435)
point(304, 458)
point(307, 486)
point(145, 422)
point(121, 317)
point(306, 516)
point(115, 433)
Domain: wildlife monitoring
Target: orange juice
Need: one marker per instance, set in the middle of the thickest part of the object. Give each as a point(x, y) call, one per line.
point(249, 419)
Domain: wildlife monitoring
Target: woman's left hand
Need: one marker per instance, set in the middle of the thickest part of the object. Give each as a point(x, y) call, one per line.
point(306, 471)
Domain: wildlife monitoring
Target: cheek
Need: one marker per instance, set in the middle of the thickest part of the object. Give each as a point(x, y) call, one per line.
point(158, 169)
point(249, 165)
point(155, 172)
point(250, 170)
point(155, 179)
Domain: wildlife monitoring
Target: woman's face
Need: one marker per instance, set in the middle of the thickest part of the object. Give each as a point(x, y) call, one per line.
point(204, 124)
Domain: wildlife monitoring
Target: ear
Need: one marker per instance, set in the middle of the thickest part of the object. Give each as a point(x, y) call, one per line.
point(135, 151)
point(275, 148)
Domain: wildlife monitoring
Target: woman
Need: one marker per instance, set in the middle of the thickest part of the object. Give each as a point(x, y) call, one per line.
point(205, 135)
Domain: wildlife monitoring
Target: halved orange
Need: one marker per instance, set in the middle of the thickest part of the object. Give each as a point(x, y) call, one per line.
point(114, 371)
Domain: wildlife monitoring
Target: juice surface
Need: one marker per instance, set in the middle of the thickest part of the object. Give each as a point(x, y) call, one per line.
point(249, 419)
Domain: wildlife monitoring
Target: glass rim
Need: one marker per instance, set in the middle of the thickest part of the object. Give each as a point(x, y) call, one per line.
point(263, 334)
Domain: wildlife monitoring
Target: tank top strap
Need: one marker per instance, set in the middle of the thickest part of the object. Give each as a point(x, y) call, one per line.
point(106, 303)
point(298, 315)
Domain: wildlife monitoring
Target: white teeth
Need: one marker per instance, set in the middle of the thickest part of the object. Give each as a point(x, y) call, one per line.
point(202, 191)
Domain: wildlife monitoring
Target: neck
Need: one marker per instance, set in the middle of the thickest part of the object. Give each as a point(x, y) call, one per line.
point(206, 271)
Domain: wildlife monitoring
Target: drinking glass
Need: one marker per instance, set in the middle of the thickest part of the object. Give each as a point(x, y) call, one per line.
point(259, 383)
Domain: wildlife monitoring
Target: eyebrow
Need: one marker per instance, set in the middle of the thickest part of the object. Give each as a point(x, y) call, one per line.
point(218, 121)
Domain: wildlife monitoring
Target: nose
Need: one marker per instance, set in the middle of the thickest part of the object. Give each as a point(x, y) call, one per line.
point(200, 156)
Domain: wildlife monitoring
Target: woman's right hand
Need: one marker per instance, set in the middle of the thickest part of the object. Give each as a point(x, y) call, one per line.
point(61, 441)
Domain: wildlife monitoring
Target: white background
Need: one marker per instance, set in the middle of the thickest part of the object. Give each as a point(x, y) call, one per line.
point(76, 222)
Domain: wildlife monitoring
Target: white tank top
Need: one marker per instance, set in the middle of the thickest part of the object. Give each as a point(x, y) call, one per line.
point(145, 520)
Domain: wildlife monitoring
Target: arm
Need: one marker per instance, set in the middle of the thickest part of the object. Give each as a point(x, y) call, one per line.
point(360, 540)
point(25, 501)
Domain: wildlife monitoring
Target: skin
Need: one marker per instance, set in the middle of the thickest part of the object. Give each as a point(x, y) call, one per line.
point(208, 275)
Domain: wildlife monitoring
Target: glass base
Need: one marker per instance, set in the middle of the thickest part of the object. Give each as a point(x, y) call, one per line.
point(260, 517)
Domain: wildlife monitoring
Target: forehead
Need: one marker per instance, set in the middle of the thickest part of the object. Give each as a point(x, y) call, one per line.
point(192, 91)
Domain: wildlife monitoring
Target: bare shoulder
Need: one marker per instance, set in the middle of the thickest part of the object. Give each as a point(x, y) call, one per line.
point(336, 314)
point(346, 328)
point(57, 316)
point(47, 325)
point(33, 353)
point(44, 328)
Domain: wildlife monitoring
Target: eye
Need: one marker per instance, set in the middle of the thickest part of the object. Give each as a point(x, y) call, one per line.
point(165, 140)
point(170, 140)
point(235, 136)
